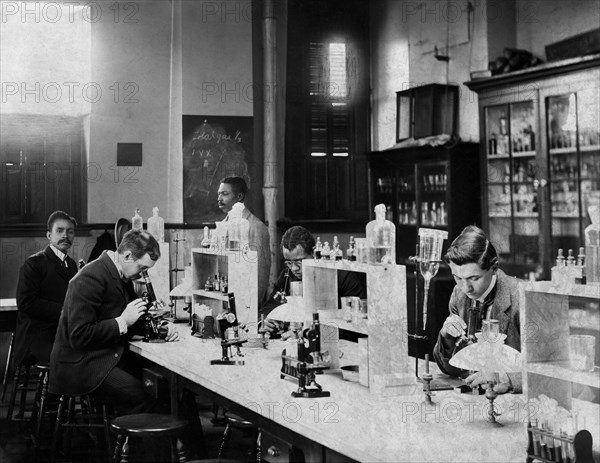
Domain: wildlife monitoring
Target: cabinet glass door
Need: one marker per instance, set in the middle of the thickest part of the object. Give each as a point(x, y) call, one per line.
point(385, 190)
point(433, 180)
point(574, 164)
point(407, 207)
point(511, 188)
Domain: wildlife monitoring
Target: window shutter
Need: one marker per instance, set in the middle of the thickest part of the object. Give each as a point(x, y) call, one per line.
point(328, 94)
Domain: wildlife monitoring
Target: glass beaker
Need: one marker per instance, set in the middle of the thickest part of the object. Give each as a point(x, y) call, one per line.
point(362, 250)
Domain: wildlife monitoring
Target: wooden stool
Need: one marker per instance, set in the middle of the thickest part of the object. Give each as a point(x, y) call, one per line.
point(82, 412)
point(151, 426)
point(39, 411)
point(234, 421)
point(22, 385)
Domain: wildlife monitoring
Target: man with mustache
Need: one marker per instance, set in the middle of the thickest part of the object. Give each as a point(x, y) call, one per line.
point(43, 281)
point(233, 190)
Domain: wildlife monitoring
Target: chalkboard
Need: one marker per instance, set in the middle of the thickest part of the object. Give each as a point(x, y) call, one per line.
point(214, 147)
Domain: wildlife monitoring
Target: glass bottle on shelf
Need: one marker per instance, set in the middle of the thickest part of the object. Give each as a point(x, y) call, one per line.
point(156, 226)
point(412, 216)
point(206, 239)
point(351, 252)
point(318, 248)
point(137, 223)
point(336, 252)
point(381, 238)
point(325, 251)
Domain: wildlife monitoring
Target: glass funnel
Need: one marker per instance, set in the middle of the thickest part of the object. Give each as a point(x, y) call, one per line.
point(430, 257)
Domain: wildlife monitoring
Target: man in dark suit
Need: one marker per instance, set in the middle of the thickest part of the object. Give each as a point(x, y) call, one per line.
point(41, 290)
point(99, 316)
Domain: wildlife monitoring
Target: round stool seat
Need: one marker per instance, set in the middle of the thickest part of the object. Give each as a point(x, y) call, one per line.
point(238, 421)
point(147, 424)
point(42, 367)
point(216, 460)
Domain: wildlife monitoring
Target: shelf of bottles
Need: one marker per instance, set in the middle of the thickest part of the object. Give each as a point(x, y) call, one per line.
point(511, 180)
point(385, 186)
point(407, 200)
point(574, 162)
point(433, 180)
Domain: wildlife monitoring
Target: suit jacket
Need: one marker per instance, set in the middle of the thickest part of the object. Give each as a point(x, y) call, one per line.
point(41, 290)
point(505, 309)
point(88, 344)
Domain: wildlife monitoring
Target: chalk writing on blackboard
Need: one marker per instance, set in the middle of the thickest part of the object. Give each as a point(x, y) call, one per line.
point(214, 147)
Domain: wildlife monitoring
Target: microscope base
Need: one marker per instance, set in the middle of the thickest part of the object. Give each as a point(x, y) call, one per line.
point(311, 394)
point(227, 362)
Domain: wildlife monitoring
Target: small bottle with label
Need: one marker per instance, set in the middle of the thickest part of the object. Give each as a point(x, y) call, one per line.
point(318, 248)
point(325, 251)
point(351, 251)
point(137, 223)
point(336, 253)
point(206, 239)
point(580, 279)
point(558, 271)
point(224, 286)
point(208, 286)
point(216, 284)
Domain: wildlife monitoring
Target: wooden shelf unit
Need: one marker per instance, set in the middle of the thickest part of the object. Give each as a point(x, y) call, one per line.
point(384, 331)
point(240, 268)
point(547, 320)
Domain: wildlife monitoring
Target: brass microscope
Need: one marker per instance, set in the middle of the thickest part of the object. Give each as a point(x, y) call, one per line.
point(229, 329)
point(155, 327)
point(307, 364)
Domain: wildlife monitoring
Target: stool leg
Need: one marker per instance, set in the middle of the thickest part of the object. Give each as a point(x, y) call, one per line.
point(24, 393)
point(125, 452)
point(224, 441)
point(106, 424)
point(7, 368)
point(41, 412)
point(13, 393)
point(119, 448)
point(57, 428)
point(69, 431)
point(178, 451)
point(259, 447)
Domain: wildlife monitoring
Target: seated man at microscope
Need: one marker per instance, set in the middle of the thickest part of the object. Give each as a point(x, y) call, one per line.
point(473, 262)
point(297, 244)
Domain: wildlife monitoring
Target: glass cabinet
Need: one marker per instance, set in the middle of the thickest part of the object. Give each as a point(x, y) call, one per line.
point(540, 146)
point(432, 187)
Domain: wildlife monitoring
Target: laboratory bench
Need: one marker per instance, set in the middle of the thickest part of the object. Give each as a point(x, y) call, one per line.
point(355, 423)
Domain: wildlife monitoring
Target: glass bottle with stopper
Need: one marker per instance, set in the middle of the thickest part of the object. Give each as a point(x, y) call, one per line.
point(206, 238)
point(137, 223)
point(238, 228)
point(336, 252)
point(381, 238)
point(156, 226)
point(351, 252)
point(318, 248)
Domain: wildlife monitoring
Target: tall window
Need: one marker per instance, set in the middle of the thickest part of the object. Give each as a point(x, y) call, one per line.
point(329, 94)
point(47, 91)
point(327, 110)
